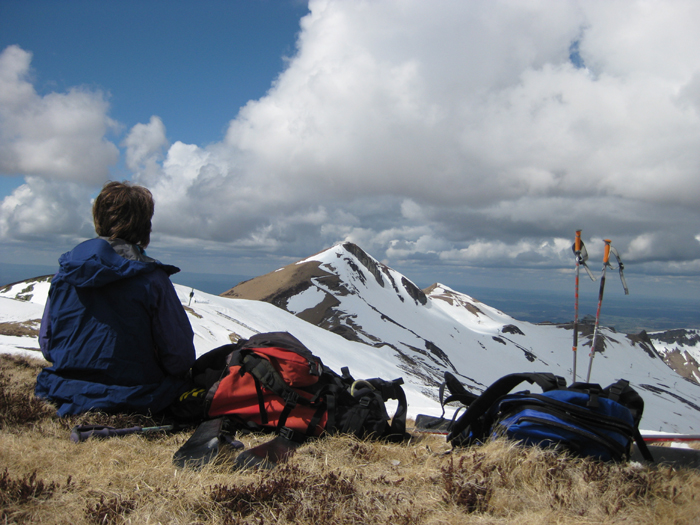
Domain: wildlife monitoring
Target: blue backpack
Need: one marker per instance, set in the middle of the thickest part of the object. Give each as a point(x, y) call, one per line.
point(584, 418)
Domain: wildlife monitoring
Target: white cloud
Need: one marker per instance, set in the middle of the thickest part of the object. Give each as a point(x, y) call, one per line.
point(59, 136)
point(461, 133)
point(144, 147)
point(473, 117)
point(663, 247)
point(40, 210)
point(411, 210)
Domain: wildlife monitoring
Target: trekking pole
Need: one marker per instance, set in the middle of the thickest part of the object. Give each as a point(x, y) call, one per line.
point(82, 432)
point(606, 258)
point(581, 256)
point(606, 264)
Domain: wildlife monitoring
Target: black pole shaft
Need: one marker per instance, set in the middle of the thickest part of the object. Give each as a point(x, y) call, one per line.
point(597, 321)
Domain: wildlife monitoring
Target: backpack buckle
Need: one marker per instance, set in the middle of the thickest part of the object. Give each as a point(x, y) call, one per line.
point(290, 398)
point(287, 433)
point(593, 393)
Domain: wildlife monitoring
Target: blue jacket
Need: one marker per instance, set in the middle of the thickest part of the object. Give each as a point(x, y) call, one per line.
point(115, 332)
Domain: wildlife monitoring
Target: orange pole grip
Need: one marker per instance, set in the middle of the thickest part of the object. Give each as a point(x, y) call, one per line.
point(606, 254)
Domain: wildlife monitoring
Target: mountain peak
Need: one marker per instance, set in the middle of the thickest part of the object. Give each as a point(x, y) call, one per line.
point(369, 262)
point(347, 291)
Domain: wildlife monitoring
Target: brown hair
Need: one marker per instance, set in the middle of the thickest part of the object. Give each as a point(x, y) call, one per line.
point(124, 211)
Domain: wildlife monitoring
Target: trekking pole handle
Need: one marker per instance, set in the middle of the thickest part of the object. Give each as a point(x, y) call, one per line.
point(606, 253)
point(577, 242)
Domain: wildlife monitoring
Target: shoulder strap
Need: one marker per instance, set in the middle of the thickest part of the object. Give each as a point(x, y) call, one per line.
point(501, 387)
point(623, 393)
point(627, 396)
point(204, 444)
point(382, 391)
point(268, 455)
point(457, 392)
point(265, 375)
point(394, 390)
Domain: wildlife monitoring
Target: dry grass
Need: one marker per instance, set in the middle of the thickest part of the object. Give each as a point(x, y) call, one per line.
point(21, 328)
point(46, 478)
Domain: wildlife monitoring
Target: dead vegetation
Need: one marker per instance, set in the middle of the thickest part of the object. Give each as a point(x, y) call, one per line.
point(45, 478)
point(21, 329)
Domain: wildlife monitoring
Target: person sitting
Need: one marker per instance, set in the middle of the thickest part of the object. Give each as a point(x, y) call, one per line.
point(116, 335)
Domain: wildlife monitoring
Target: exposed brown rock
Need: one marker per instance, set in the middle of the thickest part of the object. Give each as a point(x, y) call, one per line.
point(273, 284)
point(683, 364)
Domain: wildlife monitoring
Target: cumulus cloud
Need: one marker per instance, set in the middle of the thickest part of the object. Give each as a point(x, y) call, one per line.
point(145, 145)
point(59, 136)
point(42, 210)
point(481, 132)
point(469, 125)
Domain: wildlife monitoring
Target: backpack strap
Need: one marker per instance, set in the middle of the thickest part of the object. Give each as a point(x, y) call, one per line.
point(593, 390)
point(394, 390)
point(266, 376)
point(204, 444)
point(623, 393)
point(379, 391)
point(501, 387)
point(358, 414)
point(627, 397)
point(457, 392)
point(642, 446)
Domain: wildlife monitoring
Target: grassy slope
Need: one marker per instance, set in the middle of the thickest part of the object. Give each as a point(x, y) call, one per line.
point(46, 478)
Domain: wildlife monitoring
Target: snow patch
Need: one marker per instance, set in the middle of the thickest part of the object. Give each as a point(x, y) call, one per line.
point(309, 298)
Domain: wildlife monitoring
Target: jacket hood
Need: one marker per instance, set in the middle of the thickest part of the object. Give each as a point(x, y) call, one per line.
point(98, 262)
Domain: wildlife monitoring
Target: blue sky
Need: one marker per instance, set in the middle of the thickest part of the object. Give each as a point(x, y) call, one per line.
point(194, 64)
point(461, 142)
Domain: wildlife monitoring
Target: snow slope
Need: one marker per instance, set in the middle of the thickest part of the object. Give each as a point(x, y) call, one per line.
point(217, 321)
point(22, 304)
point(401, 331)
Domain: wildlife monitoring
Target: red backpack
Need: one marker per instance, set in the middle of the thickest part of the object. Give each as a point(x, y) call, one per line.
point(273, 382)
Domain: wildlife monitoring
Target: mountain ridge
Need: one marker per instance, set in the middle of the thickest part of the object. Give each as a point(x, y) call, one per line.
point(385, 312)
point(376, 323)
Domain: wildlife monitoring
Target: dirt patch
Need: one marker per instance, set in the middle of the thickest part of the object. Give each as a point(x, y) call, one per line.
point(189, 310)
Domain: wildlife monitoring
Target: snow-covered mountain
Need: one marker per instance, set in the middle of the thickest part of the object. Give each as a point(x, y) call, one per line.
point(353, 311)
point(348, 292)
